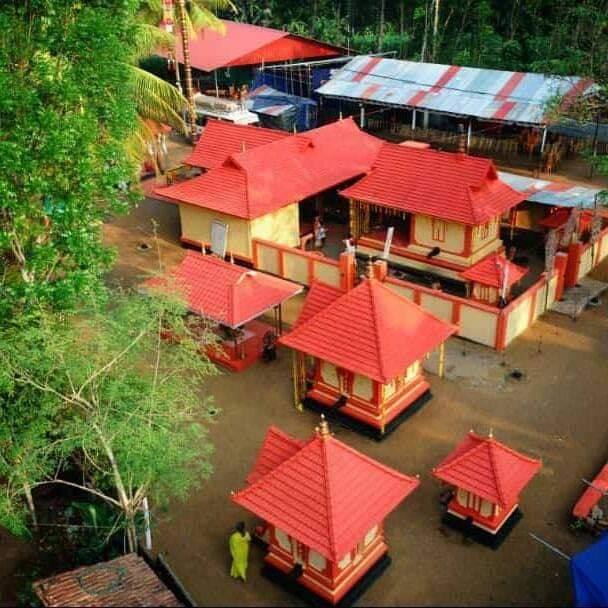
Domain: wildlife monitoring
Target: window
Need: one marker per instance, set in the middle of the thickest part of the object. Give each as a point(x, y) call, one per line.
point(283, 540)
point(370, 536)
point(317, 561)
point(484, 231)
point(344, 562)
point(438, 229)
point(486, 508)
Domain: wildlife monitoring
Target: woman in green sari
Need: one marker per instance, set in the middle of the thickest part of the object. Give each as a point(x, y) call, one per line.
point(239, 550)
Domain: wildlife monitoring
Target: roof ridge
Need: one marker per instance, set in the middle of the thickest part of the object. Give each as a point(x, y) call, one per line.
point(462, 456)
point(494, 464)
point(371, 283)
point(330, 522)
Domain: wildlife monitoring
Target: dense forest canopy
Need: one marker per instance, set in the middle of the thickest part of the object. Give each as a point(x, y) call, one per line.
point(557, 36)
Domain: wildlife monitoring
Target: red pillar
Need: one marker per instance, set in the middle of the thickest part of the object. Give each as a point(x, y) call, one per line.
point(574, 260)
point(380, 270)
point(560, 264)
point(347, 270)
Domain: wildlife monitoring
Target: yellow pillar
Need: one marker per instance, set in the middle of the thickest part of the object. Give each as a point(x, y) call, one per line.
point(297, 380)
point(442, 360)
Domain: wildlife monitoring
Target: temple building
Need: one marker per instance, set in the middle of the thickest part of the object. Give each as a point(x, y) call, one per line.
point(323, 505)
point(232, 298)
point(364, 349)
point(445, 208)
point(492, 279)
point(261, 192)
point(486, 478)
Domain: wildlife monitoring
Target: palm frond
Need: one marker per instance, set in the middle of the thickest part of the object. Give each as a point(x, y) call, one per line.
point(150, 39)
point(158, 100)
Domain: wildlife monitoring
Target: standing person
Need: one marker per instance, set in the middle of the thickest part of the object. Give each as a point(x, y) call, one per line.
point(317, 231)
point(239, 550)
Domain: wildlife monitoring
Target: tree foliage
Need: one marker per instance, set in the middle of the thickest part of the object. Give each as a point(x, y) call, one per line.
point(103, 393)
point(561, 37)
point(63, 163)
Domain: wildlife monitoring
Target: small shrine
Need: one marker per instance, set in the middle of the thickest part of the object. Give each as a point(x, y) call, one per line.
point(233, 297)
point(485, 478)
point(491, 279)
point(323, 505)
point(359, 354)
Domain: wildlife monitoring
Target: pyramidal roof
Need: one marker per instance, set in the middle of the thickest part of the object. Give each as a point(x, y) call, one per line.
point(326, 495)
point(225, 292)
point(489, 469)
point(494, 270)
point(369, 330)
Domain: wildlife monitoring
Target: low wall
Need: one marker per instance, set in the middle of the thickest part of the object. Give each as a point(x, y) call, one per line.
point(488, 325)
point(295, 264)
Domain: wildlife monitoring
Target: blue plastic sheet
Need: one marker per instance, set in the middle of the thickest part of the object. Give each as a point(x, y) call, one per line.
point(589, 570)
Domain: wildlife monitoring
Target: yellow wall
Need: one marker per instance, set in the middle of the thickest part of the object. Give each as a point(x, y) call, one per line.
point(281, 226)
point(454, 235)
point(196, 226)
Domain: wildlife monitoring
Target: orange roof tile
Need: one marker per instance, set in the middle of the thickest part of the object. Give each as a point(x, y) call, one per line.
point(327, 496)
point(492, 270)
point(489, 469)
point(253, 183)
point(370, 330)
point(449, 186)
point(224, 292)
point(221, 139)
point(319, 296)
point(276, 448)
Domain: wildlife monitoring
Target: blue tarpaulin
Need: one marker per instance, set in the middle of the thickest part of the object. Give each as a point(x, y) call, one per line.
point(589, 570)
point(281, 110)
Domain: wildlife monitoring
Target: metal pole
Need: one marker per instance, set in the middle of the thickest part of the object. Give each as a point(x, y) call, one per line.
point(550, 546)
point(469, 133)
point(362, 116)
point(413, 120)
point(217, 91)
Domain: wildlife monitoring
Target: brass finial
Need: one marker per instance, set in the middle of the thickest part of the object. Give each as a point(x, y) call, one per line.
point(491, 433)
point(323, 428)
point(231, 258)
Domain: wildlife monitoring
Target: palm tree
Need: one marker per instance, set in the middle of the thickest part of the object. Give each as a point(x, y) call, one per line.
point(159, 102)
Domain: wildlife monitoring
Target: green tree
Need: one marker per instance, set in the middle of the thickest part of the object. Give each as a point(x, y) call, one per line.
point(64, 166)
point(122, 406)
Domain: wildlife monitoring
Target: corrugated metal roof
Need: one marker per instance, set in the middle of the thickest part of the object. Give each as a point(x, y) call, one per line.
point(545, 192)
point(514, 97)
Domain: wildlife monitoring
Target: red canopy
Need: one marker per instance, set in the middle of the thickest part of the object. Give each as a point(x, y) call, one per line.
point(244, 44)
point(369, 330)
point(488, 469)
point(326, 495)
point(446, 185)
point(493, 270)
point(227, 293)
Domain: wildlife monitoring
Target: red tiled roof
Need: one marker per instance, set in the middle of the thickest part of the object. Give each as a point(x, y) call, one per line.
point(246, 44)
point(327, 496)
point(124, 581)
point(319, 296)
point(592, 495)
point(489, 469)
point(445, 185)
point(491, 271)
point(277, 447)
point(370, 330)
point(221, 139)
point(253, 183)
point(224, 292)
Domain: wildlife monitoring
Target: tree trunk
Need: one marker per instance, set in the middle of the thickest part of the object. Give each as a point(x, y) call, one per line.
point(185, 36)
point(381, 28)
point(27, 490)
point(426, 31)
point(435, 28)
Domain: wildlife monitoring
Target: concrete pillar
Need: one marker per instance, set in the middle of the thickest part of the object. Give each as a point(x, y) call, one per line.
point(380, 270)
point(361, 116)
point(347, 266)
point(413, 120)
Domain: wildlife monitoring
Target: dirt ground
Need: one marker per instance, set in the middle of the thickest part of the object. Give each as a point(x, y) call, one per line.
point(556, 412)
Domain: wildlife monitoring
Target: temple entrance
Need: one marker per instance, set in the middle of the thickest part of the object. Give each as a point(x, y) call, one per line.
point(381, 219)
